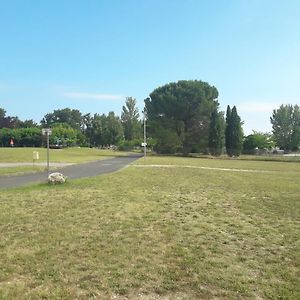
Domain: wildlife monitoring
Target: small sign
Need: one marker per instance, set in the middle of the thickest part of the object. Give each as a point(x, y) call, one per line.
point(46, 131)
point(11, 142)
point(144, 144)
point(35, 155)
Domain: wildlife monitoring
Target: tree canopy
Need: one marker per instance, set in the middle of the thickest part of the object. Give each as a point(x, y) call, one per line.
point(72, 117)
point(233, 133)
point(257, 141)
point(286, 127)
point(130, 120)
point(179, 115)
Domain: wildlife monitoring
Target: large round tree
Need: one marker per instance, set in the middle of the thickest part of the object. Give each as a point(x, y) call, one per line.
point(179, 115)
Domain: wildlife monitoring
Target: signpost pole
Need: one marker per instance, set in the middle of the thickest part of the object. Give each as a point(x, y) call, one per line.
point(47, 134)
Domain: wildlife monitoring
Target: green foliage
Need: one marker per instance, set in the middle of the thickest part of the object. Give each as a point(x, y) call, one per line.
point(125, 145)
point(257, 141)
point(72, 117)
point(22, 137)
point(8, 121)
point(130, 120)
point(28, 124)
point(228, 131)
point(233, 132)
point(112, 129)
point(286, 127)
point(63, 134)
point(167, 141)
point(216, 133)
point(105, 129)
point(179, 115)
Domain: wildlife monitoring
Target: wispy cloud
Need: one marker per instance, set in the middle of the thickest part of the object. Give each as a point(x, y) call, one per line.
point(92, 96)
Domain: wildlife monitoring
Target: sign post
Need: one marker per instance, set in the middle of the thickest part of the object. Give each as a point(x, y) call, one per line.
point(35, 156)
point(47, 132)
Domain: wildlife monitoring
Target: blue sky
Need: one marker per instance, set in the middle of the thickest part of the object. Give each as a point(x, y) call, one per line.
point(89, 55)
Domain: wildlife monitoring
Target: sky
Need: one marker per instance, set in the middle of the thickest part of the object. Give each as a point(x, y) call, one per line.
point(92, 54)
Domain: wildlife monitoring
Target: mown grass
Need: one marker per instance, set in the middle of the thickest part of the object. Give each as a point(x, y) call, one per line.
point(68, 155)
point(182, 233)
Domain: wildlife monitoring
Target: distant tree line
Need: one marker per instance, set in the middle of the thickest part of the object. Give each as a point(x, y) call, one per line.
point(181, 117)
point(70, 127)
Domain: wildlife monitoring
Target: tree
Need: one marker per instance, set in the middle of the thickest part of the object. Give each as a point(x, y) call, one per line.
point(181, 110)
point(8, 121)
point(28, 124)
point(228, 132)
point(63, 134)
point(23, 137)
point(87, 128)
point(112, 129)
point(233, 132)
point(130, 120)
point(72, 117)
point(257, 141)
point(286, 127)
point(216, 133)
point(96, 130)
point(2, 115)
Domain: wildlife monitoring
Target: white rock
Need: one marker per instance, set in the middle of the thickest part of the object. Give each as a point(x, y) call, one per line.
point(57, 178)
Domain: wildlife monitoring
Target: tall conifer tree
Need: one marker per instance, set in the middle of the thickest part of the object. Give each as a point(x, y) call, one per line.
point(233, 132)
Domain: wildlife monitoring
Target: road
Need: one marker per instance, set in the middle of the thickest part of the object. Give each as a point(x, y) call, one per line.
point(73, 171)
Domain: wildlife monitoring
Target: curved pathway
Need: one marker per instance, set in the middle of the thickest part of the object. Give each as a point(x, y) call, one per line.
point(72, 171)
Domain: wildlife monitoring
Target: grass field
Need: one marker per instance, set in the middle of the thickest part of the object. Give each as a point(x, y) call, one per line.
point(70, 155)
point(191, 230)
point(67, 155)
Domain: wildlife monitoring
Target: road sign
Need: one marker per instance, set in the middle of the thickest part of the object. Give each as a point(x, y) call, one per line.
point(46, 131)
point(144, 144)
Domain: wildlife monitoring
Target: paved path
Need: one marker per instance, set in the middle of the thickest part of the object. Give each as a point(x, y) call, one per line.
point(73, 171)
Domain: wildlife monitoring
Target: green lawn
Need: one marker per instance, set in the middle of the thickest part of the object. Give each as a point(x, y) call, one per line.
point(155, 232)
point(67, 155)
point(70, 155)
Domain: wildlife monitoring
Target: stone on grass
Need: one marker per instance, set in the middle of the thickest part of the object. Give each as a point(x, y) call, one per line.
point(57, 178)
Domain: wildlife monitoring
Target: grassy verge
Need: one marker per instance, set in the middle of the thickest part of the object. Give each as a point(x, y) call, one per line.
point(145, 232)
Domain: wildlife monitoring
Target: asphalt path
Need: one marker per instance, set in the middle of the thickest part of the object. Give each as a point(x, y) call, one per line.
point(94, 168)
